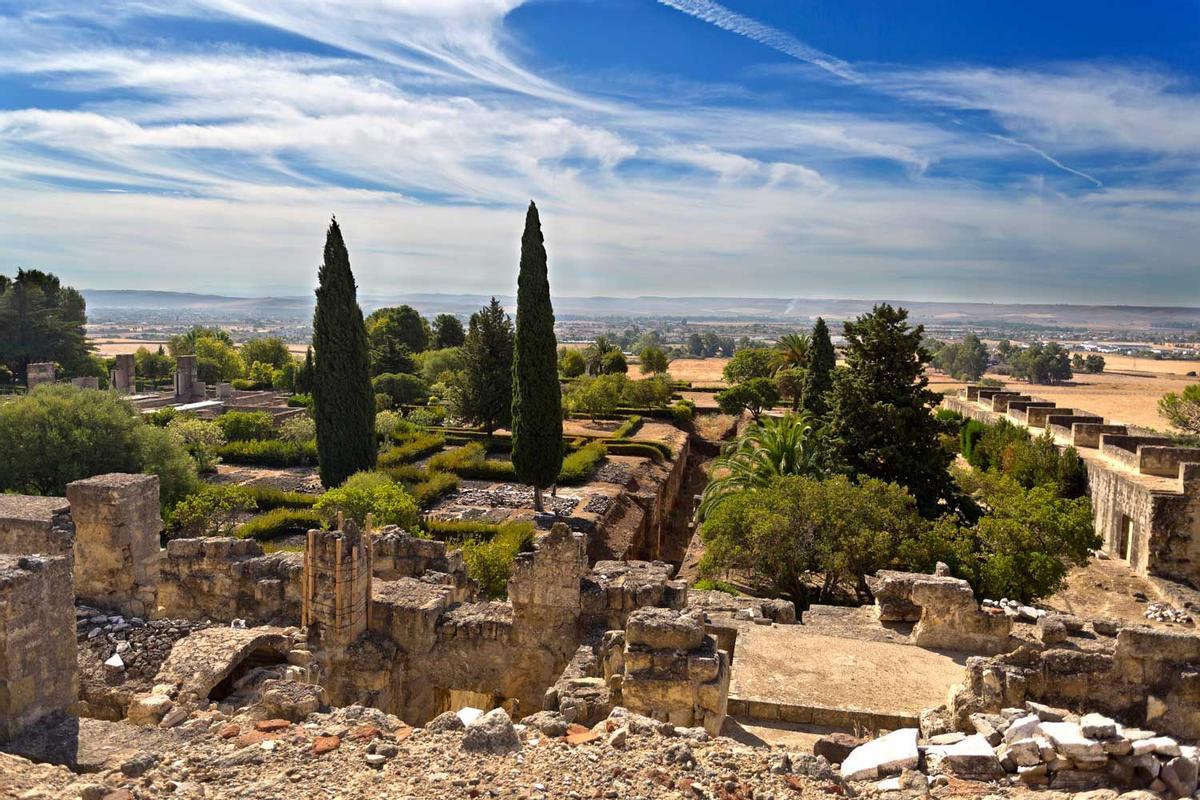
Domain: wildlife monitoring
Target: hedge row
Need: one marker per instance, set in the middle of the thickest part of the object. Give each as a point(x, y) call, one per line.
point(578, 466)
point(645, 449)
point(280, 522)
point(269, 453)
point(418, 446)
point(628, 428)
point(432, 488)
point(268, 498)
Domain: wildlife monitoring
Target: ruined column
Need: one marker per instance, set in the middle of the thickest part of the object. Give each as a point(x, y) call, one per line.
point(544, 588)
point(336, 586)
point(123, 374)
point(117, 524)
point(187, 379)
point(38, 674)
point(37, 374)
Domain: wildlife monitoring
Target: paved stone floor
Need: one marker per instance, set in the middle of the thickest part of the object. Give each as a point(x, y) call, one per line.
point(790, 667)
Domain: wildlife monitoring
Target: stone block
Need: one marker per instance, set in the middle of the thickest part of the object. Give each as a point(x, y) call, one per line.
point(665, 629)
point(31, 525)
point(1068, 740)
point(973, 757)
point(884, 756)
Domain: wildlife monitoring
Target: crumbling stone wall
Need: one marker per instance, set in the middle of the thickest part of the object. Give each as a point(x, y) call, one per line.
point(1149, 678)
point(615, 589)
point(223, 579)
point(944, 608)
point(38, 674)
point(336, 586)
point(117, 524)
point(395, 555)
point(37, 374)
point(36, 525)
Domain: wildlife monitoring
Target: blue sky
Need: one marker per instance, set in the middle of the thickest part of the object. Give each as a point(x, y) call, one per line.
point(949, 150)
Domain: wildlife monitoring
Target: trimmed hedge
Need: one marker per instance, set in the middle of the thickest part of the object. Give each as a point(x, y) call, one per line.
point(406, 473)
point(578, 467)
point(268, 498)
point(434, 487)
point(664, 450)
point(418, 446)
point(269, 453)
point(629, 447)
point(280, 522)
point(627, 428)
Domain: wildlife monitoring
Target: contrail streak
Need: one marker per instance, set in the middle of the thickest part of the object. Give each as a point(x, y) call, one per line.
point(716, 14)
point(1047, 156)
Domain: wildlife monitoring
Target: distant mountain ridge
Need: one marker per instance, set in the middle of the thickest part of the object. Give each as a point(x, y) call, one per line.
point(698, 308)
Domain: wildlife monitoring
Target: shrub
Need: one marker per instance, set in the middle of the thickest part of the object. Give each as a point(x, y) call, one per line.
point(371, 493)
point(245, 426)
point(438, 484)
point(635, 448)
point(402, 388)
point(431, 417)
point(280, 522)
point(300, 401)
point(452, 460)
point(683, 412)
point(247, 385)
point(968, 437)
point(209, 511)
point(627, 428)
point(713, 585)
point(161, 417)
point(595, 396)
point(270, 453)
point(578, 466)
point(490, 563)
point(298, 430)
point(406, 473)
point(389, 423)
point(201, 438)
point(163, 454)
point(417, 446)
point(648, 392)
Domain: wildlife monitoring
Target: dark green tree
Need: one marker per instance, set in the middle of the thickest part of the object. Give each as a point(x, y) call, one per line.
point(536, 396)
point(394, 335)
point(818, 379)
point(485, 394)
point(881, 410)
point(343, 401)
point(447, 332)
point(42, 320)
point(304, 375)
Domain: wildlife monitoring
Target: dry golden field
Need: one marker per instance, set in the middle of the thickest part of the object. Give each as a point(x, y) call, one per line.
point(699, 371)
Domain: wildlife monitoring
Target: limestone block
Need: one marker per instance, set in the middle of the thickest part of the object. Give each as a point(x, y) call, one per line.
point(883, 756)
point(38, 674)
point(972, 757)
point(665, 629)
point(116, 548)
point(1068, 739)
point(31, 525)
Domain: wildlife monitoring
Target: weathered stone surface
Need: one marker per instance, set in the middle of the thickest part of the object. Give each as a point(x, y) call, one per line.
point(1069, 740)
point(665, 629)
point(1179, 774)
point(223, 579)
point(31, 525)
point(492, 733)
point(290, 700)
point(973, 757)
point(883, 756)
point(1098, 726)
point(198, 663)
point(834, 747)
point(445, 723)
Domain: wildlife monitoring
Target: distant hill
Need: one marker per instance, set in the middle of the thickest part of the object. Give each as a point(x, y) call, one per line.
point(113, 301)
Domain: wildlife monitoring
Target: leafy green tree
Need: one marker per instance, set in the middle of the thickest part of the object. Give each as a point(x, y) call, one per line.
point(42, 320)
point(270, 350)
point(647, 393)
point(818, 379)
point(654, 360)
point(59, 434)
point(434, 364)
point(798, 531)
point(401, 388)
point(447, 332)
point(483, 391)
point(536, 400)
point(695, 346)
point(594, 354)
point(343, 401)
point(152, 366)
point(1042, 363)
point(202, 439)
point(571, 362)
point(755, 362)
point(772, 448)
point(755, 395)
point(184, 344)
point(394, 336)
point(217, 360)
point(1093, 364)
point(1182, 409)
point(246, 426)
point(881, 424)
point(790, 385)
point(964, 361)
point(613, 363)
point(596, 396)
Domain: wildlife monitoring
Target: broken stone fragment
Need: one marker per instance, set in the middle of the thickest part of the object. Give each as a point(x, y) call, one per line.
point(883, 756)
point(836, 746)
point(1098, 726)
point(973, 757)
point(492, 733)
point(1069, 741)
point(1180, 776)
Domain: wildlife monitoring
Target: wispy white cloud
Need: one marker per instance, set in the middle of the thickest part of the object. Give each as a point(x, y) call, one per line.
point(722, 17)
point(1045, 156)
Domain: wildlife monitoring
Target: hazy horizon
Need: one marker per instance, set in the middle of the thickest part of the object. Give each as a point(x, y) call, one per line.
point(965, 152)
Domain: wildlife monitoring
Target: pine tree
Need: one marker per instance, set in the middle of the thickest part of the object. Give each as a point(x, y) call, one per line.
point(819, 376)
point(487, 397)
point(536, 397)
point(343, 402)
point(881, 422)
point(304, 375)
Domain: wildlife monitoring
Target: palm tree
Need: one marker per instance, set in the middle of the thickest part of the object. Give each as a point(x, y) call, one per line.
point(794, 350)
point(594, 353)
point(772, 448)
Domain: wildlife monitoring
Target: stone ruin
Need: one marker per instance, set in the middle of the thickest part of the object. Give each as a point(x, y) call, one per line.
point(944, 609)
point(37, 374)
point(378, 618)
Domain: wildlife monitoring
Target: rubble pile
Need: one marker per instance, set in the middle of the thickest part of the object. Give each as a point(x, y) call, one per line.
point(133, 647)
point(1165, 612)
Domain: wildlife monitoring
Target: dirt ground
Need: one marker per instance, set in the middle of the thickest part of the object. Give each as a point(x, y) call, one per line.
point(788, 664)
point(1105, 588)
point(699, 371)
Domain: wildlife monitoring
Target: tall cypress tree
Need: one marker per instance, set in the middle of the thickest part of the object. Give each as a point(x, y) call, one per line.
point(819, 377)
point(487, 396)
point(343, 403)
point(536, 399)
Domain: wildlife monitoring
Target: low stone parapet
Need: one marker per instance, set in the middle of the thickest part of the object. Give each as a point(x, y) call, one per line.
point(31, 525)
point(223, 578)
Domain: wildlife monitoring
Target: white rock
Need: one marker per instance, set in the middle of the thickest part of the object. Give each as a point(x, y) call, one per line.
point(114, 662)
point(883, 756)
point(1164, 746)
point(1098, 726)
point(1025, 752)
point(1069, 740)
point(1022, 728)
point(469, 714)
point(972, 756)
